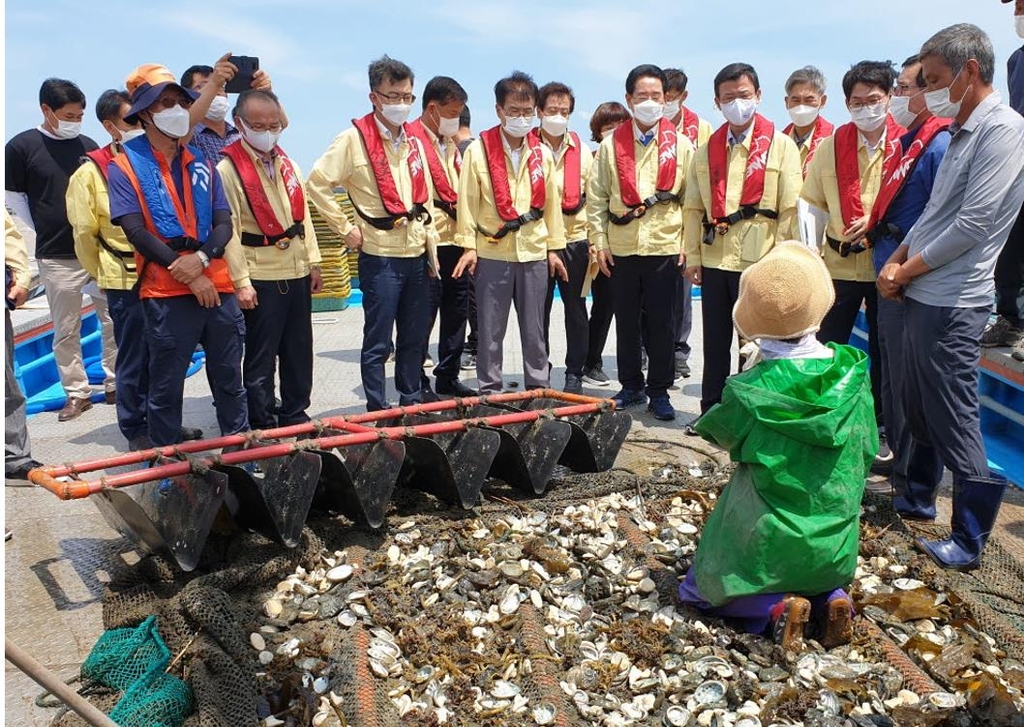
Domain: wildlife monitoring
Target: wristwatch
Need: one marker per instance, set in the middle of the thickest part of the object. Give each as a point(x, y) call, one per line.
point(203, 258)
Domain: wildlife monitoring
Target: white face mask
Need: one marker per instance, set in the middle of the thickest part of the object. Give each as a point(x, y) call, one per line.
point(554, 125)
point(648, 112)
point(218, 108)
point(899, 107)
point(1018, 21)
point(740, 111)
point(518, 126)
point(804, 115)
point(264, 141)
point(940, 104)
point(672, 109)
point(127, 136)
point(174, 122)
point(447, 128)
point(67, 129)
point(396, 113)
point(870, 118)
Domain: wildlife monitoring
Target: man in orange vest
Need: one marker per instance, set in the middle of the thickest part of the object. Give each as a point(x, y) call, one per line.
point(169, 201)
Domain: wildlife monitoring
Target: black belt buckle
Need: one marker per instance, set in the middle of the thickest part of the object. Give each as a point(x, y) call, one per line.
point(845, 248)
point(709, 235)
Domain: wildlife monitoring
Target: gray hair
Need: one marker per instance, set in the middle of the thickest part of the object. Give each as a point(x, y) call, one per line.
point(809, 75)
point(958, 44)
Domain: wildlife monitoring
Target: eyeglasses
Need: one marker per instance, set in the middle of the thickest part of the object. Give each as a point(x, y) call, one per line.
point(406, 98)
point(258, 128)
point(858, 105)
point(904, 90)
point(513, 112)
point(641, 97)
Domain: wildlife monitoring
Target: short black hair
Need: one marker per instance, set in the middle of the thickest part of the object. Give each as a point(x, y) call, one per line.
point(189, 76)
point(58, 93)
point(250, 93)
point(879, 74)
point(518, 84)
point(465, 117)
point(646, 70)
point(734, 72)
point(443, 90)
point(388, 69)
point(914, 60)
point(555, 88)
point(676, 80)
point(108, 106)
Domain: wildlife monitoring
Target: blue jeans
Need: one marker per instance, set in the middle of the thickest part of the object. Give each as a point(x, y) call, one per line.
point(394, 294)
point(132, 361)
point(174, 326)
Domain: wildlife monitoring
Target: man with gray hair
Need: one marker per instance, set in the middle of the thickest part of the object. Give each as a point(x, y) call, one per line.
point(805, 98)
point(944, 271)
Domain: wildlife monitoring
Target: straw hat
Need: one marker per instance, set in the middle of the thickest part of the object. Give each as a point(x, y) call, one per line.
point(784, 295)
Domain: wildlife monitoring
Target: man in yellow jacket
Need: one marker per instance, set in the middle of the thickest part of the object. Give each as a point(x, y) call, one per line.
point(636, 225)
point(382, 167)
point(510, 225)
point(105, 253)
point(741, 195)
point(274, 262)
point(842, 181)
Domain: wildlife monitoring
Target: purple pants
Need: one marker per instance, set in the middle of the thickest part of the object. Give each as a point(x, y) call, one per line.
point(751, 614)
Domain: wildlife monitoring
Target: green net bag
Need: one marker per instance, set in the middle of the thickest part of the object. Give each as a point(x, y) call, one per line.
point(123, 656)
point(156, 700)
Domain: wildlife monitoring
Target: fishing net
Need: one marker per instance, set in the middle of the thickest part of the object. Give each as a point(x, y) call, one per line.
point(121, 657)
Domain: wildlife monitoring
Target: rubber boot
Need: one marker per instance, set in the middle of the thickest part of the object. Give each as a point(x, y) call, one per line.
point(788, 619)
point(917, 488)
point(976, 503)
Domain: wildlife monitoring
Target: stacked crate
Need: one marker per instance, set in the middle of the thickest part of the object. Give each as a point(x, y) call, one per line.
point(336, 269)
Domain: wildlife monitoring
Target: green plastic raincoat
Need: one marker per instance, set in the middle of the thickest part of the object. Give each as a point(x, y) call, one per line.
point(803, 432)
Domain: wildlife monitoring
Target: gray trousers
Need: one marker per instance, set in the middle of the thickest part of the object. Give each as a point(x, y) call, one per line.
point(17, 451)
point(941, 383)
point(498, 286)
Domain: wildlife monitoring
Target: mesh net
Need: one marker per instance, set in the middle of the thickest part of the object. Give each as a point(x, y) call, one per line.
point(155, 700)
point(121, 657)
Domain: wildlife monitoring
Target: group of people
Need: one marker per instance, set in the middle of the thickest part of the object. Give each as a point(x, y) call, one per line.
point(197, 231)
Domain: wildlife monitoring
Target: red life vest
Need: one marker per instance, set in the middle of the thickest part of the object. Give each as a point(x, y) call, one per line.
point(894, 177)
point(102, 158)
point(623, 141)
point(155, 280)
point(496, 167)
point(848, 165)
point(573, 197)
point(690, 125)
point(823, 128)
point(438, 173)
point(762, 133)
point(389, 196)
point(256, 196)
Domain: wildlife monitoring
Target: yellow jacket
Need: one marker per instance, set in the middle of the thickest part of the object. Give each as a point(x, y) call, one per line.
point(660, 231)
point(15, 253)
point(477, 212)
point(821, 189)
point(88, 204)
point(704, 130)
point(575, 225)
point(346, 165)
point(747, 241)
point(271, 262)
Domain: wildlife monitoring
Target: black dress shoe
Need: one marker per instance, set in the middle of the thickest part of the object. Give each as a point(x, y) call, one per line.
point(453, 387)
point(190, 433)
point(18, 477)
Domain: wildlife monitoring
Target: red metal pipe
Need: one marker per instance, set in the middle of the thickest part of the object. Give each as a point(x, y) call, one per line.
point(294, 430)
point(356, 434)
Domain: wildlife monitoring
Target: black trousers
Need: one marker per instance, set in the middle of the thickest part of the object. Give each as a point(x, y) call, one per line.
point(838, 327)
point(602, 310)
point(576, 258)
point(645, 282)
point(684, 319)
point(473, 339)
point(1010, 274)
point(719, 290)
point(279, 337)
point(450, 297)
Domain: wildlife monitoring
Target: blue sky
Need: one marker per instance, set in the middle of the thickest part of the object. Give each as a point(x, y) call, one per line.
point(317, 50)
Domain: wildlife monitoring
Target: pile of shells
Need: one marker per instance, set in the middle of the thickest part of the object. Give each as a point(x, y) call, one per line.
point(536, 617)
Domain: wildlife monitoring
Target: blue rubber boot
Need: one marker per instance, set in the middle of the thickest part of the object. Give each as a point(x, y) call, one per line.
point(976, 503)
point(917, 488)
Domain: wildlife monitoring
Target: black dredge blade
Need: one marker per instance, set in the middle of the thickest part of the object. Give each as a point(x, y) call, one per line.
point(358, 481)
point(451, 466)
point(596, 438)
point(173, 515)
point(274, 498)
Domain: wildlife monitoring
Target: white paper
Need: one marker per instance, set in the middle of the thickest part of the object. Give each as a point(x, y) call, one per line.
point(813, 222)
